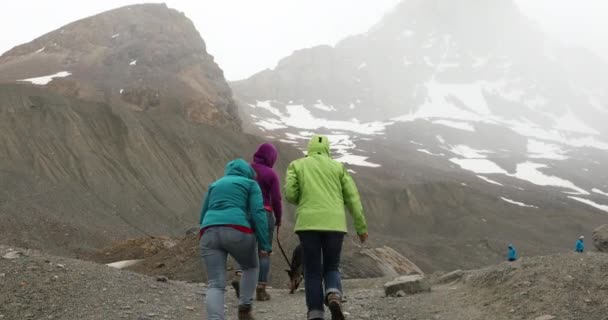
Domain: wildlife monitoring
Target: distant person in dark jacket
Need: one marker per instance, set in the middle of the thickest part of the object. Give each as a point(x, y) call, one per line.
point(580, 244)
point(263, 162)
point(512, 253)
point(233, 222)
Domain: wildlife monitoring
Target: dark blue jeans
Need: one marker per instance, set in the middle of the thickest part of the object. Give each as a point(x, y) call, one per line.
point(321, 258)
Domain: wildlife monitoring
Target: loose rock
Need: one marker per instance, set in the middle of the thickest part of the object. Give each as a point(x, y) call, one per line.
point(600, 238)
point(451, 277)
point(408, 284)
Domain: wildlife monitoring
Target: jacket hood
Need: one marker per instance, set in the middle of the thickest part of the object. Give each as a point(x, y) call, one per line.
point(318, 144)
point(266, 155)
point(239, 167)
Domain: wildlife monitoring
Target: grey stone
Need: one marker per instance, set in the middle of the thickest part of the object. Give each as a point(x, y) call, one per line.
point(408, 284)
point(600, 238)
point(451, 277)
point(12, 255)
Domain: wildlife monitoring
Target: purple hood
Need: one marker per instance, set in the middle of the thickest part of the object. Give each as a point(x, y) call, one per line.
point(263, 161)
point(266, 155)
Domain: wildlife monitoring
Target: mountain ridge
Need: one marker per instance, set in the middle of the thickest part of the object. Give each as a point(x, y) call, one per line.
point(146, 57)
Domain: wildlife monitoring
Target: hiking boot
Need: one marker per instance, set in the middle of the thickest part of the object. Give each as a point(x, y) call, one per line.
point(245, 312)
point(335, 307)
point(261, 294)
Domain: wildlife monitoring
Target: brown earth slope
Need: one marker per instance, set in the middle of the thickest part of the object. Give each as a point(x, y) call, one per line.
point(79, 175)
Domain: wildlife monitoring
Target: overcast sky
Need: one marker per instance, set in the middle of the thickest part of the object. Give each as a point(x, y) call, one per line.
point(247, 36)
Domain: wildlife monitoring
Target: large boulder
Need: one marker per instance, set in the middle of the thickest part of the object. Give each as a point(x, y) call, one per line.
point(407, 285)
point(600, 238)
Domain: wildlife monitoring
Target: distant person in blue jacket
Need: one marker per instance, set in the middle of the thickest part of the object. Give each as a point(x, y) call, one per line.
point(512, 254)
point(580, 244)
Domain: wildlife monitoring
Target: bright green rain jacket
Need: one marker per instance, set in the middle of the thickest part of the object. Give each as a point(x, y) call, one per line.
point(320, 187)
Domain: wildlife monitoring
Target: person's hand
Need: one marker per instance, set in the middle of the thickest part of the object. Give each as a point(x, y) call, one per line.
point(264, 254)
point(363, 237)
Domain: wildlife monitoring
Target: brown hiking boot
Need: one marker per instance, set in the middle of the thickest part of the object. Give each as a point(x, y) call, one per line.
point(245, 312)
point(261, 294)
point(335, 307)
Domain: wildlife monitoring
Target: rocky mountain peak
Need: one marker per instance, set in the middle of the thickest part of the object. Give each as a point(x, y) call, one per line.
point(148, 57)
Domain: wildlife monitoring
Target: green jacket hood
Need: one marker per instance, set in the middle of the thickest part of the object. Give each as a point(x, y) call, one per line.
point(319, 144)
point(239, 167)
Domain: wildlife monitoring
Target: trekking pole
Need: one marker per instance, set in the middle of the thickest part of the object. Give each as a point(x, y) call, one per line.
point(281, 249)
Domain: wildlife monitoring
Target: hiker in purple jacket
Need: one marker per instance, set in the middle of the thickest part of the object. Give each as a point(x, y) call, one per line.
point(263, 161)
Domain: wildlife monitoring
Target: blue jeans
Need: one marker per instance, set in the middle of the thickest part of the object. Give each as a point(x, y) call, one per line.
point(264, 261)
point(216, 244)
point(321, 258)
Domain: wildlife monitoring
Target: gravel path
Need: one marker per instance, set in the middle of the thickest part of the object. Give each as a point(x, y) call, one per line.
point(36, 286)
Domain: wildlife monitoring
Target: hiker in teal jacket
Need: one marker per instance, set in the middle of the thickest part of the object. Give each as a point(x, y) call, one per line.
point(512, 253)
point(233, 221)
point(580, 245)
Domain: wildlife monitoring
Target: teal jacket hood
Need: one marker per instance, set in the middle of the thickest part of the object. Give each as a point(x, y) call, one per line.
point(239, 167)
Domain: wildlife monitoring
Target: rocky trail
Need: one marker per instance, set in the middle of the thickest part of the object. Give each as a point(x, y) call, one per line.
point(569, 286)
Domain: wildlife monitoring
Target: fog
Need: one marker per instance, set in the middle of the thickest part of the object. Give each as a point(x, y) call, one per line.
point(249, 36)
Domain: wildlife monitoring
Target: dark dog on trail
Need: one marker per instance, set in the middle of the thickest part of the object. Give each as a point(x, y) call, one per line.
point(296, 274)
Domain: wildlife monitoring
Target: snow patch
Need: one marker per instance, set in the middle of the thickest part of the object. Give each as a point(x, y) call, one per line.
point(300, 117)
point(600, 192)
point(481, 166)
point(40, 50)
point(455, 124)
point(416, 143)
point(357, 161)
point(116, 35)
point(591, 203)
point(123, 264)
point(521, 204)
point(440, 139)
point(122, 90)
point(468, 152)
point(569, 122)
point(41, 81)
point(430, 153)
point(321, 106)
point(490, 181)
point(266, 105)
point(542, 150)
point(480, 62)
point(529, 171)
point(270, 124)
point(133, 63)
point(362, 65)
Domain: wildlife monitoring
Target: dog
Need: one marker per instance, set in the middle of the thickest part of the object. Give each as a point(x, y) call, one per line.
point(296, 274)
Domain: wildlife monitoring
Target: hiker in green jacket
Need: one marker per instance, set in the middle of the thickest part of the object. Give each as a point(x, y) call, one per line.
point(320, 188)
